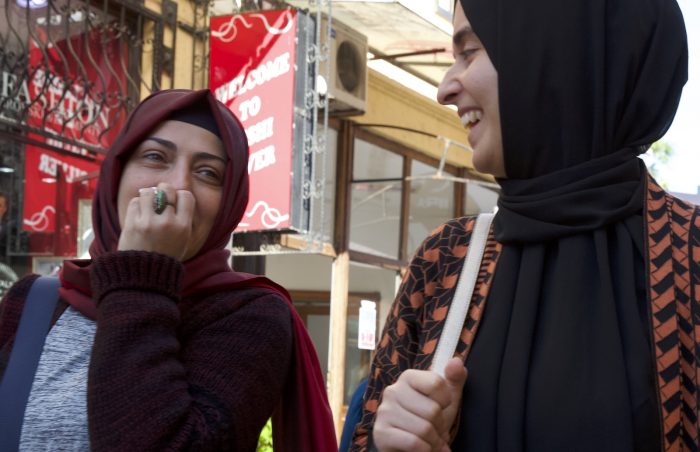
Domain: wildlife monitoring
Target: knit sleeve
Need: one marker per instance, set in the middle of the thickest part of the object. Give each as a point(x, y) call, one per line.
point(175, 375)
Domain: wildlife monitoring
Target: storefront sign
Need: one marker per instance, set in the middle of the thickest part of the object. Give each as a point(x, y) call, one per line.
point(252, 72)
point(367, 331)
point(14, 92)
point(66, 109)
point(44, 170)
point(61, 102)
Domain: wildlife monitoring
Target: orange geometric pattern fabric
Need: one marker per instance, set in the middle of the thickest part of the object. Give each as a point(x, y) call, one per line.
point(673, 228)
point(417, 316)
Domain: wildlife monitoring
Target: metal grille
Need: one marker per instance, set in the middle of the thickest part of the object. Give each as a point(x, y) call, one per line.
point(199, 30)
point(71, 70)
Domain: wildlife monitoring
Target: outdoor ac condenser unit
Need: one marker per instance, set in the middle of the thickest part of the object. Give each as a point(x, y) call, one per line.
point(347, 87)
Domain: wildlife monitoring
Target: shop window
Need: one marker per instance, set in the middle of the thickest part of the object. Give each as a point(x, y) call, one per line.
point(70, 74)
point(375, 211)
point(377, 285)
point(314, 309)
point(357, 360)
point(432, 202)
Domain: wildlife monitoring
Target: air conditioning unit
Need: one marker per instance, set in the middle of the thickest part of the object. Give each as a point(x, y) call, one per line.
point(347, 87)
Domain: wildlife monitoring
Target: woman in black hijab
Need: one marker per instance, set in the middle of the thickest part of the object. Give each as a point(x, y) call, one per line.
point(582, 329)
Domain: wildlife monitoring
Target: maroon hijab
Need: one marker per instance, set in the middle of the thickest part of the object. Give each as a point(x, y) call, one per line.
point(303, 419)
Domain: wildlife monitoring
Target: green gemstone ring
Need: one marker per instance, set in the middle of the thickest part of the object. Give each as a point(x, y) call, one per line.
point(160, 201)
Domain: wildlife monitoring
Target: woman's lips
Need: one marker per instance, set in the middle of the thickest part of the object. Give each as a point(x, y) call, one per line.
point(471, 120)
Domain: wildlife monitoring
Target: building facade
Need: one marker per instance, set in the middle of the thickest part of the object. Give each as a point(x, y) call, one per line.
point(395, 165)
point(390, 170)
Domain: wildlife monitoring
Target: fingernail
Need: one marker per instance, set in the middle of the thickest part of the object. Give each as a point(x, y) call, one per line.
point(146, 190)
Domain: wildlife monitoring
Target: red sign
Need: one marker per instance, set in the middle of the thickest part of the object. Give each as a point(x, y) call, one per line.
point(252, 72)
point(45, 170)
point(75, 86)
point(63, 103)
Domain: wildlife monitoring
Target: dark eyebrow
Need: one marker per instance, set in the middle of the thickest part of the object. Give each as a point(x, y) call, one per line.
point(173, 147)
point(462, 35)
point(208, 156)
point(162, 141)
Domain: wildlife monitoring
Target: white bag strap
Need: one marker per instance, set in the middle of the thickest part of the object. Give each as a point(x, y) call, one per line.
point(462, 298)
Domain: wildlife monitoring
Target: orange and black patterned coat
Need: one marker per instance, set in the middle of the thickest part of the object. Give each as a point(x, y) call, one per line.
point(417, 316)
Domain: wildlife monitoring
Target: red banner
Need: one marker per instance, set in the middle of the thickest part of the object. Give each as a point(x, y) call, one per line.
point(252, 72)
point(75, 86)
point(44, 171)
point(66, 104)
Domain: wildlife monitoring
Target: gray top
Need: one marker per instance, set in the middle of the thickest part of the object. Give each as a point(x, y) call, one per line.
point(56, 414)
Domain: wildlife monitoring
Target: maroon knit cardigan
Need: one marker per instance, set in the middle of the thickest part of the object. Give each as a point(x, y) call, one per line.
point(167, 373)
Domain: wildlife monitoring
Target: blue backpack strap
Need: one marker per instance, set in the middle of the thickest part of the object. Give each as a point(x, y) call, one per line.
point(24, 359)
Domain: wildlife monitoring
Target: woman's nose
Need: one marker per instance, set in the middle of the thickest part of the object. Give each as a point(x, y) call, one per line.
point(181, 177)
point(448, 89)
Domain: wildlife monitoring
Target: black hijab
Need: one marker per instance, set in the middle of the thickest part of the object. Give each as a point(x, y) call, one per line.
point(563, 357)
point(580, 80)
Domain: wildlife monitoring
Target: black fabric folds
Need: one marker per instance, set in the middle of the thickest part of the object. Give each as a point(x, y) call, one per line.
point(563, 357)
point(562, 360)
point(581, 79)
point(563, 203)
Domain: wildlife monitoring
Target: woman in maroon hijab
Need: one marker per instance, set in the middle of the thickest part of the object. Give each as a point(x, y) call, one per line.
point(157, 344)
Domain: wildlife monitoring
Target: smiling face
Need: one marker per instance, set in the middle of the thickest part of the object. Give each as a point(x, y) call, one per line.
point(471, 84)
point(188, 158)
